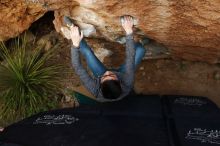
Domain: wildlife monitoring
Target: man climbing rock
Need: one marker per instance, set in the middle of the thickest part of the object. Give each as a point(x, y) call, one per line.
point(106, 85)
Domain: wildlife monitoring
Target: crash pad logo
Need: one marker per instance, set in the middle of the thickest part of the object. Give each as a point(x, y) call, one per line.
point(189, 101)
point(56, 120)
point(204, 136)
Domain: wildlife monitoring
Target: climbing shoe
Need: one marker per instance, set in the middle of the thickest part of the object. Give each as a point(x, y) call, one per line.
point(155, 50)
point(135, 21)
point(68, 21)
point(144, 41)
point(122, 18)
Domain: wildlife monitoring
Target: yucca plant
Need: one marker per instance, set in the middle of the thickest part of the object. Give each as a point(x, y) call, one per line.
point(28, 82)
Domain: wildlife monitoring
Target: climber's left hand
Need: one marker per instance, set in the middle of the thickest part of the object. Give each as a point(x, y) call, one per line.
point(76, 35)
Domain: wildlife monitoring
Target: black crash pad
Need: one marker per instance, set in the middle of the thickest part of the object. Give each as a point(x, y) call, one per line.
point(191, 121)
point(136, 120)
point(131, 122)
point(188, 106)
point(197, 131)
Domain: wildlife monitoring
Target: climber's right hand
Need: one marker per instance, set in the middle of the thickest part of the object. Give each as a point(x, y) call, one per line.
point(127, 24)
point(76, 36)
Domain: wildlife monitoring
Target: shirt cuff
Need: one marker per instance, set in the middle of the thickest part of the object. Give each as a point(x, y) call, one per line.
point(129, 37)
point(75, 48)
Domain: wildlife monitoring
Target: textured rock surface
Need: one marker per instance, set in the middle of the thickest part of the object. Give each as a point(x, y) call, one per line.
point(189, 28)
point(17, 16)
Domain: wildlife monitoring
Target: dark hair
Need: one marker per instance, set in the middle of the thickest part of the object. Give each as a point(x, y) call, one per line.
point(111, 89)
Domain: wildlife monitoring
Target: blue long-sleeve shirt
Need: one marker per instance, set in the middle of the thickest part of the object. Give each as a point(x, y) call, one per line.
point(93, 83)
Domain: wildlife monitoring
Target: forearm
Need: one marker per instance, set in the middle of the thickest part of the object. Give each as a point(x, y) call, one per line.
point(76, 63)
point(130, 60)
point(87, 81)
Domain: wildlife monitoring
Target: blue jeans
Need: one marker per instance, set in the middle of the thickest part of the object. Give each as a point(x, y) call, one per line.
point(98, 68)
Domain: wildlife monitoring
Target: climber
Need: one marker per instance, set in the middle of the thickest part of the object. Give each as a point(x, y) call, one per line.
point(107, 85)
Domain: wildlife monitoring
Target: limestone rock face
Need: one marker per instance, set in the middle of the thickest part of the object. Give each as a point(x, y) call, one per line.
point(16, 16)
point(190, 29)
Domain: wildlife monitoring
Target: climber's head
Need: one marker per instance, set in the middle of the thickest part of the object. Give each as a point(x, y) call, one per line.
point(110, 85)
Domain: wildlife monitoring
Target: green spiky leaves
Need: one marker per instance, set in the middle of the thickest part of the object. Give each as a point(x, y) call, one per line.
point(28, 82)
